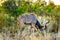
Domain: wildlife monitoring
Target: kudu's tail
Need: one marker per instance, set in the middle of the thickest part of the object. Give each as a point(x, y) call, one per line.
point(39, 26)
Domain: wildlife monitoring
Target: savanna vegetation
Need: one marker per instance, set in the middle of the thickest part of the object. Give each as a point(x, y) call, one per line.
point(11, 9)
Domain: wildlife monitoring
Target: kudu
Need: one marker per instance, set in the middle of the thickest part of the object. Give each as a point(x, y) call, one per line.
point(29, 19)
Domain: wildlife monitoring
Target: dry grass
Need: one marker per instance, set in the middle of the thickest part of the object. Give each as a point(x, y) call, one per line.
point(27, 35)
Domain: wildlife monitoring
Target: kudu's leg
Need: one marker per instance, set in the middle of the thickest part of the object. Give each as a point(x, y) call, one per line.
point(19, 24)
point(37, 29)
point(33, 28)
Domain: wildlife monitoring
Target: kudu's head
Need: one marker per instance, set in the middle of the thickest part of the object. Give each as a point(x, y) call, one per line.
point(44, 27)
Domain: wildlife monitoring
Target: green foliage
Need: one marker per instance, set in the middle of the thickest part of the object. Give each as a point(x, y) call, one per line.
point(10, 7)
